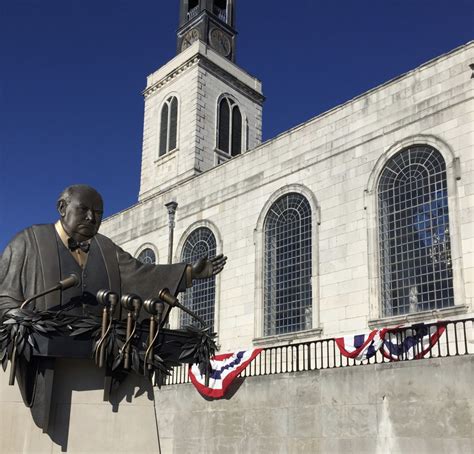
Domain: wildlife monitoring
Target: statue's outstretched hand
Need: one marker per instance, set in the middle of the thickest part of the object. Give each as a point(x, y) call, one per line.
point(204, 267)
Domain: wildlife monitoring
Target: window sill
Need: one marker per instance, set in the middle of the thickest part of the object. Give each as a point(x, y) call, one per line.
point(223, 155)
point(436, 314)
point(287, 339)
point(166, 157)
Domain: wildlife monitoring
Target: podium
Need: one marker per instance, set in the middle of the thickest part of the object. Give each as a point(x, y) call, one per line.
point(173, 346)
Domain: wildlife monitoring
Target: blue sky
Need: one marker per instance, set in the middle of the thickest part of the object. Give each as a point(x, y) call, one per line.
point(72, 72)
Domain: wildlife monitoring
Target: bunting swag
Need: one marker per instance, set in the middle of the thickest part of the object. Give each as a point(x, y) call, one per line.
point(411, 343)
point(361, 346)
point(224, 368)
point(396, 343)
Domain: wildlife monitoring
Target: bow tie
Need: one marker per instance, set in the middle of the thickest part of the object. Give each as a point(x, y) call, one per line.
point(72, 244)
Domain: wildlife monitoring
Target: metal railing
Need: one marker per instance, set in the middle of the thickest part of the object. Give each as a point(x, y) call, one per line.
point(194, 12)
point(456, 340)
point(220, 13)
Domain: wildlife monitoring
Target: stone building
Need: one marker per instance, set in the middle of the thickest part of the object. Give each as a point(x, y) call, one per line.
point(359, 218)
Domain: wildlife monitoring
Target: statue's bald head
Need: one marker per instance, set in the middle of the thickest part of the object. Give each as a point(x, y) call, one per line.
point(81, 208)
point(77, 189)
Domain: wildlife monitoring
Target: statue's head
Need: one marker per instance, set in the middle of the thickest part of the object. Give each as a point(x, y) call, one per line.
point(81, 209)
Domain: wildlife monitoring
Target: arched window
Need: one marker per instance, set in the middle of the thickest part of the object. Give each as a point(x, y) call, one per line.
point(287, 266)
point(414, 237)
point(200, 298)
point(169, 125)
point(229, 127)
point(147, 256)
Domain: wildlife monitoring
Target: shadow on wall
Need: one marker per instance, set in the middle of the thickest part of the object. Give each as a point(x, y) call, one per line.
point(78, 402)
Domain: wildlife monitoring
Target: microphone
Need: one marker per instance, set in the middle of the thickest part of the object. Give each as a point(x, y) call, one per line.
point(155, 308)
point(132, 303)
point(109, 299)
point(72, 280)
point(165, 295)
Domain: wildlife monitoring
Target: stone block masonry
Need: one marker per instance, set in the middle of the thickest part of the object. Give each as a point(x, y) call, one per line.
point(335, 160)
point(424, 406)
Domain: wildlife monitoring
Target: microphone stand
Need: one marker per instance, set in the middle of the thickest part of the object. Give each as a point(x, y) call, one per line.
point(133, 304)
point(156, 308)
point(167, 297)
point(109, 299)
point(71, 281)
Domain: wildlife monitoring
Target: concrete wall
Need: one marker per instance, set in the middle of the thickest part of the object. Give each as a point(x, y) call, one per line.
point(418, 407)
point(80, 420)
point(424, 406)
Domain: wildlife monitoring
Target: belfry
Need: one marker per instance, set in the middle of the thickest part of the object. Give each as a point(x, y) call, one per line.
point(201, 109)
point(211, 21)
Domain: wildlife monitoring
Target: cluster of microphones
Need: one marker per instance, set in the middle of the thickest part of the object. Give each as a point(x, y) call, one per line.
point(133, 305)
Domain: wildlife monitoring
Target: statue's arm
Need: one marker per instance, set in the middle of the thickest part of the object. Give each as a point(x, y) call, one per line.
point(146, 280)
point(137, 277)
point(205, 268)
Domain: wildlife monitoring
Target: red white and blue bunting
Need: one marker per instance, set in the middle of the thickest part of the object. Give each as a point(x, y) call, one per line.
point(411, 343)
point(361, 346)
point(395, 343)
point(224, 368)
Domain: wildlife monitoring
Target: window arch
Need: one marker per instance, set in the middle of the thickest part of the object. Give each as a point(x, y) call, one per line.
point(288, 266)
point(414, 237)
point(200, 298)
point(169, 125)
point(229, 127)
point(147, 256)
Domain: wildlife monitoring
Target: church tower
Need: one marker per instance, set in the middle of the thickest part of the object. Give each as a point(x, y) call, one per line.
point(201, 109)
point(211, 21)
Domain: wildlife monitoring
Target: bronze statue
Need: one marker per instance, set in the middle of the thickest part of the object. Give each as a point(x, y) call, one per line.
point(42, 256)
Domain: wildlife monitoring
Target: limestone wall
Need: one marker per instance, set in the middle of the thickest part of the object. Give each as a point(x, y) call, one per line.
point(198, 89)
point(334, 159)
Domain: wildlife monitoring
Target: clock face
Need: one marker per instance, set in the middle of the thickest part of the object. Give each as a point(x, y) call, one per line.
point(220, 42)
point(189, 38)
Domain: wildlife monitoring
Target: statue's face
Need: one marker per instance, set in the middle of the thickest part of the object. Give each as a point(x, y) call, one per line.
point(81, 217)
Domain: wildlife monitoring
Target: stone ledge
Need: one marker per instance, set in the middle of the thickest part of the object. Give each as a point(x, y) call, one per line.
point(168, 156)
point(288, 339)
point(425, 316)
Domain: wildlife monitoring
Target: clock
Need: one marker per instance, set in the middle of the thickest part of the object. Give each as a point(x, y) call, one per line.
point(189, 38)
point(220, 42)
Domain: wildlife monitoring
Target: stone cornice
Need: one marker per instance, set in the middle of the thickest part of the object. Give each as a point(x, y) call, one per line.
point(210, 66)
point(170, 76)
point(229, 78)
